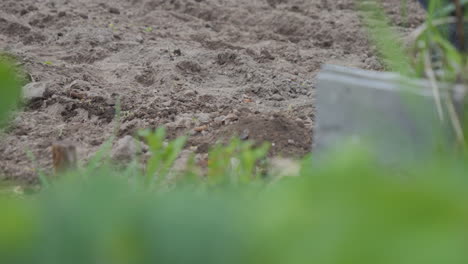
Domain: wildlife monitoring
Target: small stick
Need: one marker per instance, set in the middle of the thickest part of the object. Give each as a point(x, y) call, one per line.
point(64, 157)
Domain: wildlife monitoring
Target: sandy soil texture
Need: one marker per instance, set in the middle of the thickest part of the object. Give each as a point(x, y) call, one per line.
point(210, 69)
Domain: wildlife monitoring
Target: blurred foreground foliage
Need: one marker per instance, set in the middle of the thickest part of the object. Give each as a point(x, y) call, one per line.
point(342, 210)
point(8, 95)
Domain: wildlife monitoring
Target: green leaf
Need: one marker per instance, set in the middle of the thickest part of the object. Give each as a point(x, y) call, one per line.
point(10, 91)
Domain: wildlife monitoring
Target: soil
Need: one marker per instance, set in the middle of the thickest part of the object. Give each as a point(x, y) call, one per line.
point(210, 69)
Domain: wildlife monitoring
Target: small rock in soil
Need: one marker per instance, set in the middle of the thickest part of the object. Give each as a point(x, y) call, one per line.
point(167, 103)
point(277, 97)
point(219, 120)
point(230, 118)
point(177, 52)
point(190, 93)
point(84, 16)
point(203, 118)
point(114, 10)
point(79, 85)
point(140, 39)
point(189, 67)
point(245, 134)
point(34, 90)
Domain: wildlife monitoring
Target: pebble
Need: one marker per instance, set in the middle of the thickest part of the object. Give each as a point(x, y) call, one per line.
point(84, 16)
point(245, 134)
point(79, 85)
point(140, 39)
point(204, 118)
point(230, 118)
point(190, 93)
point(34, 90)
point(114, 10)
point(277, 97)
point(220, 119)
point(167, 103)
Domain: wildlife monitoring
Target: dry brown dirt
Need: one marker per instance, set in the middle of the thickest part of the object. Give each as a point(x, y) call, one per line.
point(210, 69)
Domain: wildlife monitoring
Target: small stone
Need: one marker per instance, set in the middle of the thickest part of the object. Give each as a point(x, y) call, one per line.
point(190, 93)
point(267, 55)
point(140, 39)
point(167, 103)
point(231, 118)
point(79, 85)
point(300, 123)
point(125, 149)
point(245, 134)
point(34, 90)
point(219, 120)
point(291, 142)
point(114, 10)
point(189, 66)
point(277, 97)
point(177, 52)
point(204, 118)
point(84, 16)
point(183, 122)
point(77, 95)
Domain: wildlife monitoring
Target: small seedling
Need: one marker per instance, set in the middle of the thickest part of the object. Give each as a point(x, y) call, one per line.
point(149, 29)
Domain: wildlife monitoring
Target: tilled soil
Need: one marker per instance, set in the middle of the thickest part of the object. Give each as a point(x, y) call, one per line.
point(210, 69)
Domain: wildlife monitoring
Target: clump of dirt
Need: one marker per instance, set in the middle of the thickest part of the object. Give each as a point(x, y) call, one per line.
point(287, 137)
point(205, 68)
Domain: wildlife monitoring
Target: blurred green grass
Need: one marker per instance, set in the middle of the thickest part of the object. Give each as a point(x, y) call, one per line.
point(9, 91)
point(344, 210)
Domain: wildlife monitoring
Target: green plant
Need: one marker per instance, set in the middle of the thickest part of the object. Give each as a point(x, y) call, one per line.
point(235, 163)
point(10, 91)
point(148, 29)
point(433, 57)
point(388, 43)
point(451, 66)
point(162, 156)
